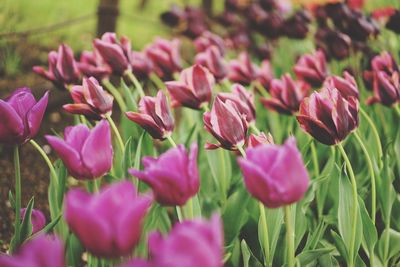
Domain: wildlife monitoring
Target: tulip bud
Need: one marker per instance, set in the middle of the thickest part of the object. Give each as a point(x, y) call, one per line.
point(90, 100)
point(297, 25)
point(347, 86)
point(108, 223)
point(37, 218)
point(196, 23)
point(21, 116)
point(334, 43)
point(154, 116)
point(174, 16)
point(140, 64)
point(283, 182)
point(87, 154)
point(208, 39)
point(383, 62)
point(260, 139)
point(312, 68)
point(213, 60)
point(386, 89)
point(91, 64)
point(173, 176)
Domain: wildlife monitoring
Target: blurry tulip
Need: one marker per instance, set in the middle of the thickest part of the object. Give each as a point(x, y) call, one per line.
point(108, 223)
point(195, 22)
point(393, 23)
point(334, 43)
point(63, 69)
point(208, 39)
point(386, 89)
point(286, 95)
point(312, 68)
point(275, 175)
point(21, 116)
point(154, 116)
point(347, 86)
point(265, 74)
point(87, 154)
point(226, 124)
point(90, 100)
point(297, 25)
point(37, 218)
point(213, 60)
point(260, 139)
point(174, 16)
point(91, 64)
point(173, 176)
point(43, 251)
point(355, 4)
point(383, 62)
point(328, 116)
point(140, 64)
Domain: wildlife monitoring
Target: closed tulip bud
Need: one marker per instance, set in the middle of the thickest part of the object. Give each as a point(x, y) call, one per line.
point(154, 116)
point(312, 68)
point(213, 60)
point(386, 89)
point(260, 139)
point(393, 23)
point(383, 62)
point(91, 64)
point(108, 223)
point(21, 116)
point(286, 95)
point(63, 69)
point(244, 101)
point(194, 89)
point(174, 17)
point(208, 39)
point(334, 43)
point(226, 124)
point(275, 175)
point(90, 100)
point(297, 25)
point(347, 85)
point(37, 218)
point(242, 70)
point(86, 153)
point(328, 116)
point(140, 64)
point(173, 176)
point(42, 251)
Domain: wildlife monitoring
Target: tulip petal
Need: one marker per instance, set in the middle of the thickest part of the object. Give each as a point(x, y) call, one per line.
point(82, 109)
point(75, 136)
point(317, 129)
point(182, 95)
point(146, 122)
point(11, 125)
point(275, 105)
point(35, 115)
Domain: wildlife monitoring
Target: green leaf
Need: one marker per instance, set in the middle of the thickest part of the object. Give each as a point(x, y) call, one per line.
point(47, 228)
point(370, 235)
point(26, 226)
point(340, 246)
point(392, 238)
point(138, 152)
point(129, 96)
point(249, 260)
point(309, 256)
point(127, 159)
point(190, 135)
point(221, 169)
point(11, 199)
point(275, 223)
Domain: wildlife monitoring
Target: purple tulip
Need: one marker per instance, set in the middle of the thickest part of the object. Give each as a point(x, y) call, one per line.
point(386, 89)
point(260, 139)
point(214, 61)
point(173, 176)
point(43, 251)
point(208, 39)
point(297, 25)
point(393, 22)
point(141, 66)
point(63, 69)
point(108, 223)
point(347, 85)
point(90, 100)
point(21, 116)
point(226, 124)
point(333, 43)
point(275, 175)
point(87, 154)
point(37, 218)
point(286, 95)
point(154, 116)
point(173, 17)
point(92, 64)
point(312, 68)
point(383, 62)
point(194, 88)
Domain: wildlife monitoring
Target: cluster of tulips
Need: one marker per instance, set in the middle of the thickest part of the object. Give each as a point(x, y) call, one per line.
point(150, 211)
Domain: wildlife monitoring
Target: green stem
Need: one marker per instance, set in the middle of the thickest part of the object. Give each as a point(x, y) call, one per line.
point(17, 226)
point(116, 132)
point(190, 213)
point(257, 85)
point(157, 81)
point(355, 204)
point(179, 213)
point(241, 150)
point(114, 91)
point(172, 142)
point(289, 236)
point(254, 128)
point(265, 240)
point(314, 158)
point(205, 107)
point(135, 81)
point(397, 109)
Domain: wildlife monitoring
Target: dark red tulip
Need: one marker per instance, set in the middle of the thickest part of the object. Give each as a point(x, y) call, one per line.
point(154, 116)
point(214, 61)
point(91, 64)
point(334, 43)
point(208, 39)
point(393, 23)
point(386, 88)
point(312, 68)
point(297, 25)
point(383, 62)
point(347, 85)
point(141, 66)
point(259, 139)
point(174, 16)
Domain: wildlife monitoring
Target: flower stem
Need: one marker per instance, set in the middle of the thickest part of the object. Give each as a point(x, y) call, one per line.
point(116, 132)
point(241, 150)
point(17, 170)
point(135, 81)
point(314, 158)
point(265, 240)
point(289, 236)
point(157, 81)
point(171, 141)
point(397, 109)
point(254, 128)
point(355, 204)
point(190, 213)
point(114, 91)
point(179, 213)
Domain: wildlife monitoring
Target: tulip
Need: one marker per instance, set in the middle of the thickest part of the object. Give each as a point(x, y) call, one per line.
point(195, 22)
point(90, 100)
point(393, 23)
point(213, 60)
point(297, 25)
point(328, 116)
point(265, 73)
point(226, 124)
point(334, 43)
point(286, 95)
point(86, 153)
point(63, 69)
point(174, 17)
point(386, 89)
point(92, 64)
point(244, 101)
point(154, 116)
point(43, 251)
point(383, 62)
point(275, 175)
point(260, 139)
point(140, 64)
point(173, 176)
point(194, 88)
point(312, 68)
point(347, 86)
point(108, 223)
point(208, 39)
point(21, 116)
point(37, 218)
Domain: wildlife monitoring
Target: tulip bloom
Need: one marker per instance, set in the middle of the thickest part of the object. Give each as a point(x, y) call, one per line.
point(173, 176)
point(347, 85)
point(386, 89)
point(208, 39)
point(63, 69)
point(92, 64)
point(90, 100)
point(275, 175)
point(108, 223)
point(140, 65)
point(260, 139)
point(286, 95)
point(154, 116)
point(214, 61)
point(21, 116)
point(226, 124)
point(37, 218)
point(383, 62)
point(328, 116)
point(86, 153)
point(312, 68)
point(194, 88)
point(43, 251)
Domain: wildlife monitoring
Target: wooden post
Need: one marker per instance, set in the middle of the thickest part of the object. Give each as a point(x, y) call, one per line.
point(107, 14)
point(207, 6)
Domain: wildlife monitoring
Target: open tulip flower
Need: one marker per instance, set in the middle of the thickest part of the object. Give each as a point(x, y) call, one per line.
point(90, 100)
point(194, 88)
point(21, 116)
point(154, 116)
point(312, 68)
point(275, 175)
point(79, 146)
point(92, 64)
point(173, 176)
point(108, 223)
point(214, 61)
point(63, 69)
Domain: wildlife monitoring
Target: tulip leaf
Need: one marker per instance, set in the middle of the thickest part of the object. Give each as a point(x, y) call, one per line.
point(340, 246)
point(249, 260)
point(127, 161)
point(389, 244)
point(138, 153)
point(129, 96)
point(370, 235)
point(11, 199)
point(73, 250)
point(26, 226)
point(385, 190)
point(221, 169)
point(190, 135)
point(309, 256)
point(47, 228)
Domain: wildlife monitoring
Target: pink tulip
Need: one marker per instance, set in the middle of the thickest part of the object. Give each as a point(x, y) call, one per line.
point(260, 139)
point(208, 39)
point(92, 64)
point(347, 85)
point(386, 89)
point(312, 68)
point(214, 61)
point(37, 218)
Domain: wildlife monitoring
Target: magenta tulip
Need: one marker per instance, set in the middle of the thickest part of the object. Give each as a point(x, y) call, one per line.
point(141, 66)
point(87, 154)
point(214, 61)
point(92, 64)
point(173, 176)
point(37, 218)
point(21, 116)
point(108, 223)
point(312, 68)
point(260, 139)
point(208, 39)
point(386, 89)
point(275, 175)
point(347, 85)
